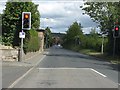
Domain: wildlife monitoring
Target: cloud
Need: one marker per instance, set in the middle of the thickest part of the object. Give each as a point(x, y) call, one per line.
point(2, 6)
point(59, 15)
point(86, 21)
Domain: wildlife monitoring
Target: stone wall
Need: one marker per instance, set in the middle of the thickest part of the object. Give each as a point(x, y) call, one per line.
point(9, 54)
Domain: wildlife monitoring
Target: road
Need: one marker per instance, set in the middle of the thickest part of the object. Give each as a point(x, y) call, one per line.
point(62, 68)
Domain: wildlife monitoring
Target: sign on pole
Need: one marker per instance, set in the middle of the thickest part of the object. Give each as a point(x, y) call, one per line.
point(21, 34)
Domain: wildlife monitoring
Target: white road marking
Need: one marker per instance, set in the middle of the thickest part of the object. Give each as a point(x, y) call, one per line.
point(62, 68)
point(98, 72)
point(20, 78)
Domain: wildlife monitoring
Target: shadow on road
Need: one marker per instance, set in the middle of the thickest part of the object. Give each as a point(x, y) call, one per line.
point(113, 66)
point(73, 56)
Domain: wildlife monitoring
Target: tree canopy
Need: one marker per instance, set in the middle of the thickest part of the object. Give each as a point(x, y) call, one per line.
point(12, 20)
point(74, 35)
point(48, 37)
point(105, 14)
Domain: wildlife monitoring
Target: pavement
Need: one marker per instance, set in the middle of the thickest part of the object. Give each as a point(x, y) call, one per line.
point(26, 62)
point(13, 70)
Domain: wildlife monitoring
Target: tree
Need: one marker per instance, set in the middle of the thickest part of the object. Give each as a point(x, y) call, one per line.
point(105, 14)
point(48, 37)
point(12, 21)
point(0, 29)
point(74, 35)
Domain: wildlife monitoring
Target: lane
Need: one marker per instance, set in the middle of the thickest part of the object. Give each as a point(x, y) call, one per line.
point(64, 78)
point(66, 69)
point(65, 58)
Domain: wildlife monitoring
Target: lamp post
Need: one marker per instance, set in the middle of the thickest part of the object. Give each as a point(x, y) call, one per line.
point(102, 48)
point(103, 36)
point(46, 39)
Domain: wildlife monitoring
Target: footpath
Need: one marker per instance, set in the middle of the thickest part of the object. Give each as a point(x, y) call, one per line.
point(29, 60)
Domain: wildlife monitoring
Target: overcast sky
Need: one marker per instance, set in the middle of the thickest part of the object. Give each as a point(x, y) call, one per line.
point(59, 15)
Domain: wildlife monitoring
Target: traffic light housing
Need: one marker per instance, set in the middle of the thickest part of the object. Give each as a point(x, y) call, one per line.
point(26, 20)
point(116, 31)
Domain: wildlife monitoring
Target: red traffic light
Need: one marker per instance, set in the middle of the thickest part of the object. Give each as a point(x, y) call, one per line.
point(26, 16)
point(116, 28)
point(26, 20)
point(116, 31)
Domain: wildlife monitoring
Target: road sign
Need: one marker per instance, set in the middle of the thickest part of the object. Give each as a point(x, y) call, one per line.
point(21, 34)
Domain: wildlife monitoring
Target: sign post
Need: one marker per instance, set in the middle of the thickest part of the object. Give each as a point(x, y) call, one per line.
point(22, 36)
point(116, 34)
point(26, 25)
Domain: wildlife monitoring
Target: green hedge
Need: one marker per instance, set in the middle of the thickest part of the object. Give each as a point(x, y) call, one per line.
point(32, 42)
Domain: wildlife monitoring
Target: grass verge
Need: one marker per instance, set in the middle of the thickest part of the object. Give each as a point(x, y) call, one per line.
point(114, 60)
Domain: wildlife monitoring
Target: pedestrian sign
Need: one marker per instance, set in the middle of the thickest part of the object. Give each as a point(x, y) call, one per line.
point(21, 34)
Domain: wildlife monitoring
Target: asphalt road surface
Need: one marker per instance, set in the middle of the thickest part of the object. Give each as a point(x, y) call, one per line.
point(62, 68)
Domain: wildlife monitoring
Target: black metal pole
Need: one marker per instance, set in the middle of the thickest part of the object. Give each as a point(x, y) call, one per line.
point(114, 47)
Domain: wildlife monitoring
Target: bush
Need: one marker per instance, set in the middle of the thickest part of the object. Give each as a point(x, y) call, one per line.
point(32, 42)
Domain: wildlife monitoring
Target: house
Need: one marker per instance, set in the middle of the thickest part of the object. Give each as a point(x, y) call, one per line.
point(41, 38)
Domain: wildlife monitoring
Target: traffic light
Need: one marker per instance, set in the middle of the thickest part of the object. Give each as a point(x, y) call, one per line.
point(116, 31)
point(26, 20)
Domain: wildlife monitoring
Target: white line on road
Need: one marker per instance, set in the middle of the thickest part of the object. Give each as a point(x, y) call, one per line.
point(73, 68)
point(98, 72)
point(62, 68)
point(20, 78)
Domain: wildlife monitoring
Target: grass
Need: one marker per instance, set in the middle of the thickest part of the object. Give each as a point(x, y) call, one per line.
point(115, 60)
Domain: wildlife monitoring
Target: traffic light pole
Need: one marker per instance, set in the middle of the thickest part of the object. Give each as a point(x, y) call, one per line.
point(21, 50)
point(114, 47)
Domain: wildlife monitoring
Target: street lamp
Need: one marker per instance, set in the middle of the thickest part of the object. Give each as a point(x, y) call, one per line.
point(103, 36)
point(102, 48)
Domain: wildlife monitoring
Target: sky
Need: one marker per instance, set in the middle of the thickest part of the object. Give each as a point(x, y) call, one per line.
point(59, 15)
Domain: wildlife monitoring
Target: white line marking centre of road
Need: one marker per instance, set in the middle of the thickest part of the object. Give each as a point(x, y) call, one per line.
point(20, 78)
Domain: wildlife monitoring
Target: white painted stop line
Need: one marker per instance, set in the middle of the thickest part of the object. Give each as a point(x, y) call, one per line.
point(72, 69)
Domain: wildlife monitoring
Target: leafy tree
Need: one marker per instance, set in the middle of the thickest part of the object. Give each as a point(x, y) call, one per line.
point(48, 37)
point(0, 28)
point(73, 36)
point(105, 14)
point(12, 21)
